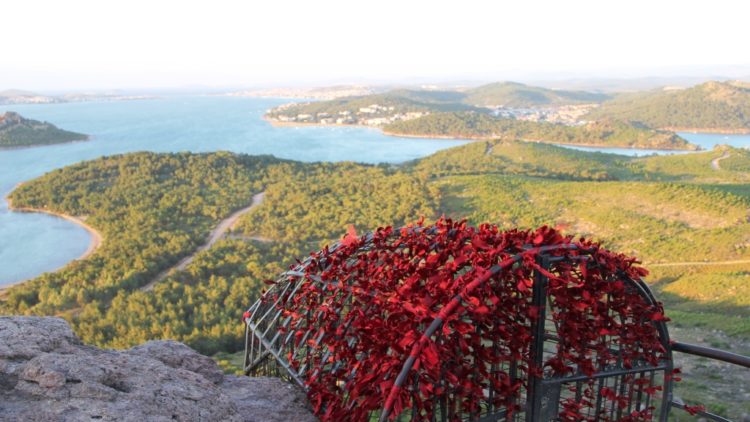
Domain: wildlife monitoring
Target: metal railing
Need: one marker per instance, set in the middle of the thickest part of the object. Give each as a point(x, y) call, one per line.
point(270, 346)
point(713, 354)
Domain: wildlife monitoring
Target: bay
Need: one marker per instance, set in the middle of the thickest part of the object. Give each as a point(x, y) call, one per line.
point(31, 244)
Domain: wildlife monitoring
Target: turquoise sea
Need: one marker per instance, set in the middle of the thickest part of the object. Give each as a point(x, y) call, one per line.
point(31, 244)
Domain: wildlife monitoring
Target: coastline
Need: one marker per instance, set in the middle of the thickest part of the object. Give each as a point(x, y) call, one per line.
point(96, 238)
point(708, 130)
point(277, 123)
point(16, 147)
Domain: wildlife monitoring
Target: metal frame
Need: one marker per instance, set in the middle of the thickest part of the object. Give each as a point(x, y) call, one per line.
point(266, 348)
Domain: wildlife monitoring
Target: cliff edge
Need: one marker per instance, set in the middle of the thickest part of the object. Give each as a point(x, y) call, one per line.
point(47, 374)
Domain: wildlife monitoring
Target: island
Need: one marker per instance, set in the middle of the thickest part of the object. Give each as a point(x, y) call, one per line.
point(504, 110)
point(17, 131)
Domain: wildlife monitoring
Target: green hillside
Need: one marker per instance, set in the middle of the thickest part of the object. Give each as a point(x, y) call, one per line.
point(402, 101)
point(718, 106)
point(17, 131)
point(152, 209)
point(608, 133)
point(513, 94)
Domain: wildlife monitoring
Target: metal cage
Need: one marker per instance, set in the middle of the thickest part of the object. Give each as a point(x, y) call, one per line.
point(270, 350)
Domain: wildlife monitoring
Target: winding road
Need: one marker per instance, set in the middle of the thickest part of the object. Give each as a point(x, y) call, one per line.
point(715, 162)
point(216, 234)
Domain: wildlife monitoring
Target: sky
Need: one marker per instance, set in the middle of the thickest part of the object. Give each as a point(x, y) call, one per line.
point(79, 44)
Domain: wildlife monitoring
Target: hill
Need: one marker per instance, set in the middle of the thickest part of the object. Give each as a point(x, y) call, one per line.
point(17, 131)
point(467, 125)
point(373, 110)
point(513, 94)
point(712, 106)
point(154, 209)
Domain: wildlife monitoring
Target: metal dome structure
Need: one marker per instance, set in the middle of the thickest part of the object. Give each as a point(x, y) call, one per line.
point(450, 322)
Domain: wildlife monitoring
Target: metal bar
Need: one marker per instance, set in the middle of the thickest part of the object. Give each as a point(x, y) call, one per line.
point(680, 405)
point(538, 301)
point(257, 362)
point(711, 353)
point(268, 347)
point(604, 374)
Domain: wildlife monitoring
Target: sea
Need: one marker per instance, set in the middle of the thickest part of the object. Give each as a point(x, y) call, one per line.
point(31, 244)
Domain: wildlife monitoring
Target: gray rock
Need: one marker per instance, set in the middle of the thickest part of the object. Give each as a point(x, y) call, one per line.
point(178, 355)
point(264, 399)
point(46, 374)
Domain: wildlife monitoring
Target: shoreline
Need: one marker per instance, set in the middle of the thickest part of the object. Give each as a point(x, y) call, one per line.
point(89, 138)
point(277, 123)
point(96, 238)
point(708, 130)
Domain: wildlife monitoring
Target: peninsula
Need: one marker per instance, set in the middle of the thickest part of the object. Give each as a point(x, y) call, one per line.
point(17, 131)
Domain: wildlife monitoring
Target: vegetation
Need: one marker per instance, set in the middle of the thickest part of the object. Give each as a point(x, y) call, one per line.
point(17, 131)
point(402, 101)
point(477, 125)
point(717, 106)
point(513, 94)
point(153, 209)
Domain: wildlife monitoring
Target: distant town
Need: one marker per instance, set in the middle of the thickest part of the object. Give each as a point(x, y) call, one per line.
point(379, 115)
point(372, 115)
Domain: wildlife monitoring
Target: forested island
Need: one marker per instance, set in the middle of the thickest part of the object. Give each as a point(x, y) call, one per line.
point(17, 131)
point(154, 209)
point(708, 107)
point(603, 133)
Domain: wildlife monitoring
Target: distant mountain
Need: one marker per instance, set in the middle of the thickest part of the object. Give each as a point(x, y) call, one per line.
point(512, 94)
point(17, 131)
point(711, 106)
point(17, 96)
point(17, 93)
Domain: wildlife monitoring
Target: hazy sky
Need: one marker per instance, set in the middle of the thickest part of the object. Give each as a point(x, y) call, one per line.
point(76, 44)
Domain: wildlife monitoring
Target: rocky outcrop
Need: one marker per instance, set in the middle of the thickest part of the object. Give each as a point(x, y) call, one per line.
point(47, 374)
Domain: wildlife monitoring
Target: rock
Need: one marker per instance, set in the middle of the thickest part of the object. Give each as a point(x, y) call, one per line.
point(46, 374)
point(265, 399)
point(27, 337)
point(177, 355)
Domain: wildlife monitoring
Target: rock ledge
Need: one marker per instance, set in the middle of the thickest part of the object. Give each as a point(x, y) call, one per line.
point(47, 374)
